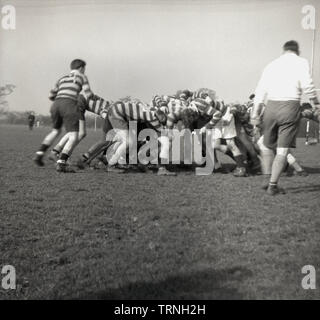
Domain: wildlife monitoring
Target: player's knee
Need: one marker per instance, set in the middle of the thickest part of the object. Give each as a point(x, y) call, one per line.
point(73, 136)
point(82, 135)
point(232, 145)
point(56, 132)
point(282, 151)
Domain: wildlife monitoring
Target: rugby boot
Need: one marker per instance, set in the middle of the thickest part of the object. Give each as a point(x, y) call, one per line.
point(38, 160)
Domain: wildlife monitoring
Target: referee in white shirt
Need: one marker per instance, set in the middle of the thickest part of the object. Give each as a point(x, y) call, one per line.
point(281, 85)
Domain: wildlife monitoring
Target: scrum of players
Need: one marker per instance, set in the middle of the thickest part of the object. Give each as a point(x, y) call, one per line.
point(202, 112)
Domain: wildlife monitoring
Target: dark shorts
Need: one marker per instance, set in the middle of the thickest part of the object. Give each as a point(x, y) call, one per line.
point(82, 116)
point(281, 124)
point(65, 112)
point(107, 126)
point(116, 121)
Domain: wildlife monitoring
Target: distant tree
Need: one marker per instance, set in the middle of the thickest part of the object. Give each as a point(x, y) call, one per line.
point(125, 99)
point(5, 91)
point(129, 99)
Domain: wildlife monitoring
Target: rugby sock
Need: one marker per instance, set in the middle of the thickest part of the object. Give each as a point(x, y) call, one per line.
point(278, 165)
point(267, 158)
point(43, 148)
point(293, 162)
point(64, 157)
point(230, 154)
point(223, 148)
point(85, 156)
point(54, 150)
point(239, 161)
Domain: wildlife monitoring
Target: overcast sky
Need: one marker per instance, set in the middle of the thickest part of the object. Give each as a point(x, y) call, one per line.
point(141, 48)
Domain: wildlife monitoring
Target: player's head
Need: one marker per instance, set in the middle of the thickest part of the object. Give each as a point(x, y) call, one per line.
point(292, 46)
point(188, 116)
point(202, 93)
point(306, 106)
point(161, 116)
point(252, 96)
point(183, 94)
point(79, 65)
point(306, 110)
point(159, 102)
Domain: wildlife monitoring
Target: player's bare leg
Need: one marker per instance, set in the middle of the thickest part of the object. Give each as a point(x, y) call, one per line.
point(267, 156)
point(278, 166)
point(164, 157)
point(298, 170)
point(66, 152)
point(240, 170)
point(47, 142)
point(117, 154)
point(56, 151)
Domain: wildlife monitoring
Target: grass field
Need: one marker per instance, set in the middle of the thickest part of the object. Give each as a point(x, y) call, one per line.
point(94, 234)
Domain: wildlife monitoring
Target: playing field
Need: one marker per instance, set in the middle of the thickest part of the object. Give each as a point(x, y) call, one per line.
point(94, 234)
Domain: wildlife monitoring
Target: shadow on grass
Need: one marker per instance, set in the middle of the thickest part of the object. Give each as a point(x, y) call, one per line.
point(302, 189)
point(311, 170)
point(207, 284)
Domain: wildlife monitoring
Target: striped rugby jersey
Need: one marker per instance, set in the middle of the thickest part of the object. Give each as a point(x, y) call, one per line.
point(139, 112)
point(208, 111)
point(158, 101)
point(241, 111)
point(242, 117)
point(70, 86)
point(202, 94)
point(94, 104)
point(220, 109)
point(311, 114)
point(173, 114)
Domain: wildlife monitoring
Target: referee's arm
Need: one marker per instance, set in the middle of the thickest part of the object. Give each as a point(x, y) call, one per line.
point(307, 84)
point(260, 95)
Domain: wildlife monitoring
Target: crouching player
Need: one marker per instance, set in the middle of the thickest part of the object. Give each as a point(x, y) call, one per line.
point(94, 104)
point(219, 112)
point(226, 129)
point(119, 117)
point(244, 136)
point(65, 110)
point(176, 112)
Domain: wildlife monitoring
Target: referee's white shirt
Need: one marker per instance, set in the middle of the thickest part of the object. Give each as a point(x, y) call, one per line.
point(285, 78)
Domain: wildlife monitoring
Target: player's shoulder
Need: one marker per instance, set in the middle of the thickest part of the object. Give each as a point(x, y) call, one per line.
point(303, 61)
point(79, 75)
point(273, 63)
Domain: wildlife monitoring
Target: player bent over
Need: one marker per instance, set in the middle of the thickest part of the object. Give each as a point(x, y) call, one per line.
point(65, 111)
point(94, 104)
point(119, 116)
point(226, 129)
point(217, 111)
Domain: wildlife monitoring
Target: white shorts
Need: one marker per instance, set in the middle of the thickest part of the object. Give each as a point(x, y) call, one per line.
point(224, 132)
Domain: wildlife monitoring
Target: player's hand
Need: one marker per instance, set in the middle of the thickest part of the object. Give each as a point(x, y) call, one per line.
point(103, 115)
point(255, 134)
point(225, 122)
point(202, 130)
point(255, 121)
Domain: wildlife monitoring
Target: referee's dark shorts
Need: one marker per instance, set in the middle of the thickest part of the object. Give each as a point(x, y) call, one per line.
point(281, 123)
